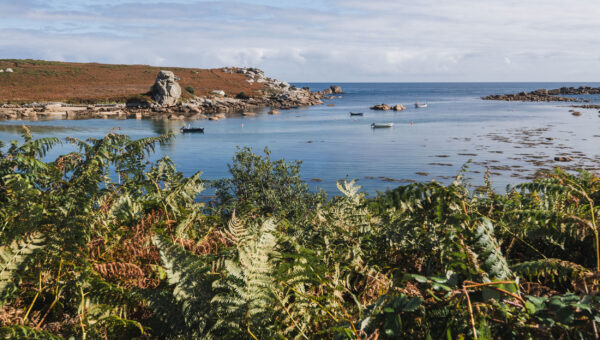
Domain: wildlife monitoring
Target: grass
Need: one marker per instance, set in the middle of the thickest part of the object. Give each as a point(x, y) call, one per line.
point(87, 83)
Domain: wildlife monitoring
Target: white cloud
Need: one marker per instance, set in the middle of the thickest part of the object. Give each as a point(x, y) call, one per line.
point(327, 40)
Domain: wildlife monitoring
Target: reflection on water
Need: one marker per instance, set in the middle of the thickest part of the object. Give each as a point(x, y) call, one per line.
point(511, 139)
point(163, 126)
point(36, 129)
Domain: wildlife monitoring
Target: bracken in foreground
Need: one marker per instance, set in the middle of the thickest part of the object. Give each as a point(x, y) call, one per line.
point(98, 244)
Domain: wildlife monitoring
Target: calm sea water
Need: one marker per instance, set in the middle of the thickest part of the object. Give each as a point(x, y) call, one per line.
point(512, 139)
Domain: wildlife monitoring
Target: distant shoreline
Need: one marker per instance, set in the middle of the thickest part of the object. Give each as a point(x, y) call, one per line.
point(34, 89)
point(544, 95)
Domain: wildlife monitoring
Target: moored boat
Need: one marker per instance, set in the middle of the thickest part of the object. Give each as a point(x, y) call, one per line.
point(420, 106)
point(382, 125)
point(356, 113)
point(190, 129)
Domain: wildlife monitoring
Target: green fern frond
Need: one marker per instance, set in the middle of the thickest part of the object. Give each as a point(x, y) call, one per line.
point(245, 297)
point(490, 254)
point(13, 257)
point(102, 292)
point(554, 269)
point(349, 189)
point(146, 145)
point(236, 231)
point(39, 147)
point(26, 333)
point(190, 277)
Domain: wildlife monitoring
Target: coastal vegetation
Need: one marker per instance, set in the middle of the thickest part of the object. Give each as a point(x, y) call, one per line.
point(190, 89)
point(100, 243)
point(90, 83)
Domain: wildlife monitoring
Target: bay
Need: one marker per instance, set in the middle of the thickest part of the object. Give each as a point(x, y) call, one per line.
point(511, 139)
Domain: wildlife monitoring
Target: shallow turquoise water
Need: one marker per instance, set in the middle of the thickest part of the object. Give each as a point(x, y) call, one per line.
point(424, 144)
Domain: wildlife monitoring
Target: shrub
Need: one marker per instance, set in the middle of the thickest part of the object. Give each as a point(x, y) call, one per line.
point(242, 95)
point(272, 187)
point(190, 89)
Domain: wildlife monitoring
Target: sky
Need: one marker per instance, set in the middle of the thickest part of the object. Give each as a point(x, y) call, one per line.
point(319, 40)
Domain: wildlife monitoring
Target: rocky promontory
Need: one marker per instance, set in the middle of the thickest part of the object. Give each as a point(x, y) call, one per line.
point(545, 95)
point(165, 100)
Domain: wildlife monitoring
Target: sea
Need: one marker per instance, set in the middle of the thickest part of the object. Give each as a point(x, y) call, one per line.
point(458, 130)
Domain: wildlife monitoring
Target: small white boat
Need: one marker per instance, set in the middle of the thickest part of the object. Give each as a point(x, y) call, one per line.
point(382, 125)
point(420, 106)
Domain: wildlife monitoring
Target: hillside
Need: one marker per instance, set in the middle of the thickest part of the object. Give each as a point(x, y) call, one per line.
point(37, 80)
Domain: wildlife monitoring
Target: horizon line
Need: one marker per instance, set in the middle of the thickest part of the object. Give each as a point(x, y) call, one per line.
point(442, 82)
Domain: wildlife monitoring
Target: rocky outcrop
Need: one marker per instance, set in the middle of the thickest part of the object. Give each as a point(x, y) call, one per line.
point(380, 107)
point(293, 97)
point(544, 95)
point(336, 89)
point(385, 107)
point(253, 75)
point(277, 95)
point(576, 91)
point(333, 89)
point(166, 91)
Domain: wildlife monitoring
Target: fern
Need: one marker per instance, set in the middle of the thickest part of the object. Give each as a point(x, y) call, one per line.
point(490, 254)
point(23, 332)
point(13, 258)
point(190, 279)
point(298, 305)
point(245, 297)
point(350, 190)
point(102, 292)
point(236, 231)
point(553, 269)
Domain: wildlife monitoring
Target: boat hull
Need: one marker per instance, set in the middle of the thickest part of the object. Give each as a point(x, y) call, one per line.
point(382, 125)
point(192, 130)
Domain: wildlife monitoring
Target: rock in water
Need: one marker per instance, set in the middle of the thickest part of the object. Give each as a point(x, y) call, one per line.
point(382, 107)
point(336, 89)
point(398, 107)
point(166, 91)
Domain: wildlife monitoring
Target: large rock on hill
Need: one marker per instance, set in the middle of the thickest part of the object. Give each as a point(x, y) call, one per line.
point(166, 91)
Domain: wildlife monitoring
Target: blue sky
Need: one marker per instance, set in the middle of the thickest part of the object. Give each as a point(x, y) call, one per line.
point(319, 40)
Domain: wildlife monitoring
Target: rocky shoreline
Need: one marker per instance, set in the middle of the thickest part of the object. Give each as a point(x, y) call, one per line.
point(545, 95)
point(166, 102)
point(590, 106)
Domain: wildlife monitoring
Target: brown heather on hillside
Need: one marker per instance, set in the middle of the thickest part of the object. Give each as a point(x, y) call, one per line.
point(40, 81)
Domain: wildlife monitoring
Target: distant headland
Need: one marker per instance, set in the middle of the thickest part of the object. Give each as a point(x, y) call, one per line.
point(31, 89)
point(545, 95)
